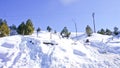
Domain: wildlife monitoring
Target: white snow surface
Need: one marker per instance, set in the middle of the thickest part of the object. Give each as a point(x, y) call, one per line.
point(30, 51)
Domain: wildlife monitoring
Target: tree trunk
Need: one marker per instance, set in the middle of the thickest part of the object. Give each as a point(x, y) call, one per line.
point(50, 35)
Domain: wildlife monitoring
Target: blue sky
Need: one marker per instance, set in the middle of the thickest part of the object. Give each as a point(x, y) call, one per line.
point(59, 13)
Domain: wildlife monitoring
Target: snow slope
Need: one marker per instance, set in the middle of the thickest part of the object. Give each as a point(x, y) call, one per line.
point(38, 52)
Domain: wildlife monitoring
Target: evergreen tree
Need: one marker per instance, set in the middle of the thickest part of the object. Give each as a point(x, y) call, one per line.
point(65, 33)
point(102, 31)
point(38, 30)
point(13, 29)
point(55, 31)
point(25, 29)
point(21, 29)
point(116, 32)
point(1, 20)
point(4, 29)
point(49, 29)
point(89, 30)
point(29, 27)
point(108, 32)
point(5, 21)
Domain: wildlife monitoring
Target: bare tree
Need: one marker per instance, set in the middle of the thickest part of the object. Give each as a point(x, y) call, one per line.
point(38, 30)
point(75, 26)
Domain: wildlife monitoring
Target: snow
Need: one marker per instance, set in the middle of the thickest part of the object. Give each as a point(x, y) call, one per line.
point(30, 51)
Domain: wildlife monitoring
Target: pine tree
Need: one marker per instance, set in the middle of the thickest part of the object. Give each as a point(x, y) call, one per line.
point(89, 30)
point(13, 29)
point(21, 29)
point(4, 29)
point(65, 33)
point(38, 30)
point(108, 32)
point(55, 31)
point(29, 27)
point(102, 31)
point(1, 20)
point(49, 29)
point(26, 29)
point(116, 32)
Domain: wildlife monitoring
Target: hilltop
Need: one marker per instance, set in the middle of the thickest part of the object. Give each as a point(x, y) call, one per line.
point(30, 51)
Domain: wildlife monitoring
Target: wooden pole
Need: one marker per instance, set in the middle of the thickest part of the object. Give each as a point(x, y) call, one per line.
point(75, 27)
point(93, 15)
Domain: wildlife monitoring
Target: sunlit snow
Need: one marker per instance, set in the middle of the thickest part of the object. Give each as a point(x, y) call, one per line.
point(31, 52)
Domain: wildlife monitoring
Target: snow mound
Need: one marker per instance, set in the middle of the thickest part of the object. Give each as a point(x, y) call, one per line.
point(32, 52)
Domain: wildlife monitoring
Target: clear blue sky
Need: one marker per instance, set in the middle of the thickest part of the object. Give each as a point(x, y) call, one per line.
point(59, 13)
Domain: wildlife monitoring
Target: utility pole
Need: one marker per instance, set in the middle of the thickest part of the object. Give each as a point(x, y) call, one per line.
point(93, 15)
point(75, 27)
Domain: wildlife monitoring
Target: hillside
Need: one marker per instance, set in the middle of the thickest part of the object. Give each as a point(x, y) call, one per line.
point(42, 52)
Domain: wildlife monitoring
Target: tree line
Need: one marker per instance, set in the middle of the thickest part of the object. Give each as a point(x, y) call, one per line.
point(103, 31)
point(27, 28)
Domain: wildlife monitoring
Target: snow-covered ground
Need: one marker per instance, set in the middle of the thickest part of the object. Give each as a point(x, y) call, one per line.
point(42, 52)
